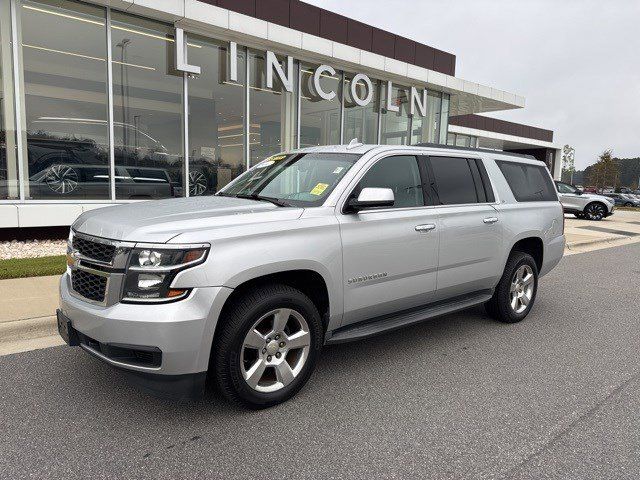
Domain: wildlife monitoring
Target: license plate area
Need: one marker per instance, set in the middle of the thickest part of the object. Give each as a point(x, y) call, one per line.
point(66, 330)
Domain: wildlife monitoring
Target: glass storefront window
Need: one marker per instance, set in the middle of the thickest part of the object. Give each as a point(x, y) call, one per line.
point(427, 129)
point(216, 117)
point(65, 81)
point(147, 109)
point(272, 111)
point(319, 118)
point(463, 141)
point(394, 129)
point(8, 164)
point(361, 122)
point(444, 118)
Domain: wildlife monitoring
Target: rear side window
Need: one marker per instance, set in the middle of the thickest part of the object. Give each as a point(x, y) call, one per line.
point(529, 183)
point(452, 181)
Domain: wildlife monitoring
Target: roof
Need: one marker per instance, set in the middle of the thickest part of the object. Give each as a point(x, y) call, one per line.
point(361, 149)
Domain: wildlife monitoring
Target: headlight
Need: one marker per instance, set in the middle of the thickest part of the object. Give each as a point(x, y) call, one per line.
point(152, 268)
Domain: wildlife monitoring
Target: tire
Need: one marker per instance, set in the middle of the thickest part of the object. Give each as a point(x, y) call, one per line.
point(595, 211)
point(500, 306)
point(628, 204)
point(251, 319)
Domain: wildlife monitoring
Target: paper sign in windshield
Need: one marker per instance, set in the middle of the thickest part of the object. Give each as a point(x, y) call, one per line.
point(319, 188)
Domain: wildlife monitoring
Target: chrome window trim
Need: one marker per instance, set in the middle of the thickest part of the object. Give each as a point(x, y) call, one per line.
point(367, 164)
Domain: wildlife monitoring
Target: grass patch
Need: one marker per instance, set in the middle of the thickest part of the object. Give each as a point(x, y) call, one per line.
point(32, 267)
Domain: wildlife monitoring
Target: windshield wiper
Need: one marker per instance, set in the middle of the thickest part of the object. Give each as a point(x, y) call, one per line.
point(275, 201)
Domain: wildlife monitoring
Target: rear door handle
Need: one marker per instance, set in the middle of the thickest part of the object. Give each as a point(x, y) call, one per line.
point(427, 227)
point(490, 220)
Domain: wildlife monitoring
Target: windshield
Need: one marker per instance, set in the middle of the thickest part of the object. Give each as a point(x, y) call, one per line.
point(300, 179)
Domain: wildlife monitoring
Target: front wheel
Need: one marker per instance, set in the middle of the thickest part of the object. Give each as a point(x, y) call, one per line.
point(595, 211)
point(514, 296)
point(267, 346)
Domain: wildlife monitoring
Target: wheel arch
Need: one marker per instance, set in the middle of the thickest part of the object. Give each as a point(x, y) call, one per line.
point(532, 245)
point(528, 242)
point(309, 281)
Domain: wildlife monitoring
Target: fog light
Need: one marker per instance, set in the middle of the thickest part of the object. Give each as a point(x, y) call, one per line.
point(147, 281)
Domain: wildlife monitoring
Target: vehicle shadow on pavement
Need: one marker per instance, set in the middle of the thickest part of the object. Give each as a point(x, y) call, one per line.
point(92, 380)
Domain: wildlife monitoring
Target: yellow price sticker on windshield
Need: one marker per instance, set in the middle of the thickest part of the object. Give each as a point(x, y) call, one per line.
point(277, 157)
point(319, 188)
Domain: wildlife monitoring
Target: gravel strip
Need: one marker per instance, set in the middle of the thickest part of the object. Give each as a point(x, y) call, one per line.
point(32, 248)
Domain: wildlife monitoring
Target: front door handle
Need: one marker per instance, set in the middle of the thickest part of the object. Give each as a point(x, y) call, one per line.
point(490, 220)
point(427, 227)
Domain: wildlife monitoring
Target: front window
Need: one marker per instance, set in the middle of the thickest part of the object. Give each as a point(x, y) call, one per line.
point(303, 179)
point(566, 188)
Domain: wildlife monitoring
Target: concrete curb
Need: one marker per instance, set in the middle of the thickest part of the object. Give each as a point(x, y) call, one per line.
point(27, 329)
point(595, 241)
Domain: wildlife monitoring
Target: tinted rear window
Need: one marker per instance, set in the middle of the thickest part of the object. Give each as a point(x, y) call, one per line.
point(529, 183)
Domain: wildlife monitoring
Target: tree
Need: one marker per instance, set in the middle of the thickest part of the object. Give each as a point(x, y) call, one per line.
point(568, 159)
point(605, 172)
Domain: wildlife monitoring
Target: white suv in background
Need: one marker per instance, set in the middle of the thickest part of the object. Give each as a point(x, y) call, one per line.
point(584, 205)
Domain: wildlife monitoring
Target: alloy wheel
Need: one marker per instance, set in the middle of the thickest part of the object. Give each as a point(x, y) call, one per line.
point(595, 211)
point(197, 184)
point(521, 290)
point(275, 350)
point(62, 179)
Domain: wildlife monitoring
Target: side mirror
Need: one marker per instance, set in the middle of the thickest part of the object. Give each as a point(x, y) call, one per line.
point(579, 192)
point(372, 198)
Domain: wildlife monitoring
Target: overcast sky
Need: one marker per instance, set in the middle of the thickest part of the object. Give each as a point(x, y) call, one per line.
point(577, 62)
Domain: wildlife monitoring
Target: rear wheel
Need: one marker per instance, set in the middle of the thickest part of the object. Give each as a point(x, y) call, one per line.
point(595, 211)
point(516, 292)
point(268, 346)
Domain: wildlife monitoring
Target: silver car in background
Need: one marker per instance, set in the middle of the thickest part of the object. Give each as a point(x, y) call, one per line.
point(584, 205)
point(308, 247)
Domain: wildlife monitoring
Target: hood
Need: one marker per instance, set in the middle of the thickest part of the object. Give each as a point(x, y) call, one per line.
point(159, 221)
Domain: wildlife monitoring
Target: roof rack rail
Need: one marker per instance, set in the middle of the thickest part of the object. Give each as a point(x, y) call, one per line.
point(473, 149)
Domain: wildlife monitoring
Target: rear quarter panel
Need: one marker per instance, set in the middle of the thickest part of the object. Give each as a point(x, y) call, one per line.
point(521, 220)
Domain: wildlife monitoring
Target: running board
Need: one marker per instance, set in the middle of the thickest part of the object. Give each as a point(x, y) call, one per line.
point(369, 328)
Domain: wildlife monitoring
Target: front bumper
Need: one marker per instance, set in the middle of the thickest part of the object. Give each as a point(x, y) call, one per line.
point(182, 332)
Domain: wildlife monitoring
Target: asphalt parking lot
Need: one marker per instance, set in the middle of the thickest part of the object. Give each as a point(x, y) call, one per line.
point(556, 396)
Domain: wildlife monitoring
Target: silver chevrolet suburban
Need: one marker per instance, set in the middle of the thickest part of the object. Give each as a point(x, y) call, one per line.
point(309, 247)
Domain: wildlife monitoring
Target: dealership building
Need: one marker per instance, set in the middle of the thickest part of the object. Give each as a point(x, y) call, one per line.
point(110, 101)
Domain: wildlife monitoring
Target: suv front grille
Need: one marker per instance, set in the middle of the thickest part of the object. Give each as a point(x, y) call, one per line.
point(89, 285)
point(101, 252)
